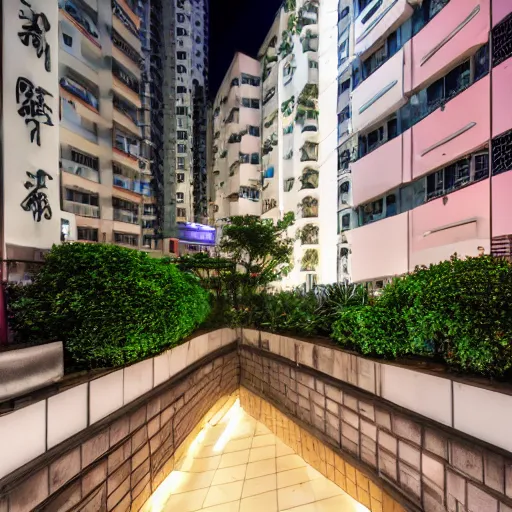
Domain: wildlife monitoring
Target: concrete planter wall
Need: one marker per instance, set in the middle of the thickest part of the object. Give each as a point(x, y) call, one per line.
point(477, 409)
point(32, 430)
point(403, 429)
point(23, 370)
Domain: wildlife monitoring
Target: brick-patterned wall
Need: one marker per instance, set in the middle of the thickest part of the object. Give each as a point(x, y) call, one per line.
point(426, 466)
point(118, 464)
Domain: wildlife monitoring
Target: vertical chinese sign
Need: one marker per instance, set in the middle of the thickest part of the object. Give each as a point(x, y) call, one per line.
point(30, 124)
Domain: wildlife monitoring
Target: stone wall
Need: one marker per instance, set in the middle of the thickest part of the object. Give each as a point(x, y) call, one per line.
point(420, 463)
point(116, 464)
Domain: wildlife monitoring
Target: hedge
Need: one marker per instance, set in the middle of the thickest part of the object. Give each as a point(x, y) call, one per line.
point(109, 305)
point(458, 311)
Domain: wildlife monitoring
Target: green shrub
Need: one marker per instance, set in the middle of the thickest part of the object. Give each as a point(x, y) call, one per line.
point(109, 305)
point(458, 311)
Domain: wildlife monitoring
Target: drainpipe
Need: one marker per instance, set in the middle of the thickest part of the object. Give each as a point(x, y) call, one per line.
point(491, 124)
point(3, 267)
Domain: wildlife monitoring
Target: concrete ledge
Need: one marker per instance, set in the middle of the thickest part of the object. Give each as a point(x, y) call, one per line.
point(53, 419)
point(482, 409)
point(25, 369)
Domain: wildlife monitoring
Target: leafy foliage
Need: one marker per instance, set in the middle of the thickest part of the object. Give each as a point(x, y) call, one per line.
point(263, 249)
point(458, 311)
point(109, 305)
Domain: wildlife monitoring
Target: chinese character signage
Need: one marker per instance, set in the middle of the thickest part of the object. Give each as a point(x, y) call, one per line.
point(30, 123)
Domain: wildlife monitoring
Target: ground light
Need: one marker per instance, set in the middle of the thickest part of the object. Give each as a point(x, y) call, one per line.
point(159, 498)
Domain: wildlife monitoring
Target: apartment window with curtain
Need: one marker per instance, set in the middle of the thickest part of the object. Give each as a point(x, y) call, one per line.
point(180, 197)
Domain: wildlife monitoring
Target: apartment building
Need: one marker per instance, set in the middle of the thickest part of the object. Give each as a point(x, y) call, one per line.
point(179, 85)
point(299, 133)
point(424, 147)
point(236, 141)
point(104, 141)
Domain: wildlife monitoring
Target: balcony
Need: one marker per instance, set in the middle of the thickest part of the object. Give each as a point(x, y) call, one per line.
point(82, 210)
point(126, 85)
point(381, 94)
point(126, 115)
point(124, 23)
point(71, 89)
point(456, 223)
point(380, 249)
point(378, 172)
point(78, 131)
point(456, 129)
point(81, 170)
point(126, 150)
point(457, 30)
point(127, 216)
point(126, 55)
point(377, 20)
point(70, 13)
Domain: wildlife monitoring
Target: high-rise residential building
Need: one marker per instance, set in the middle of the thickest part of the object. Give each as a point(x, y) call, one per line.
point(235, 162)
point(425, 144)
point(298, 60)
point(179, 87)
point(105, 154)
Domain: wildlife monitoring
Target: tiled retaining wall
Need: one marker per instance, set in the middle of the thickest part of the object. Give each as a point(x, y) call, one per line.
point(320, 455)
point(116, 464)
point(420, 463)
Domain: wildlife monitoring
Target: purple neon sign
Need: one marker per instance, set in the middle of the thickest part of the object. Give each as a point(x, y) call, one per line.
point(196, 233)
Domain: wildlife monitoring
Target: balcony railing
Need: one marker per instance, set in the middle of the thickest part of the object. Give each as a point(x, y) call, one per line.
point(126, 216)
point(82, 210)
point(80, 91)
point(80, 170)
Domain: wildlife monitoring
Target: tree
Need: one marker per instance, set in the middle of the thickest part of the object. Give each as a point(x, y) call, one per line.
point(263, 249)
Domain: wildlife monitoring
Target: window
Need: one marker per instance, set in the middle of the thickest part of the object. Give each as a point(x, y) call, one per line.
point(391, 206)
point(182, 148)
point(368, 16)
point(181, 89)
point(181, 68)
point(313, 64)
point(481, 166)
point(180, 177)
point(435, 184)
point(181, 111)
point(255, 158)
point(182, 135)
point(181, 212)
point(68, 40)
point(181, 32)
point(343, 14)
point(343, 50)
point(374, 62)
point(371, 212)
point(244, 158)
point(362, 4)
point(251, 80)
point(180, 197)
point(181, 55)
point(82, 197)
point(250, 103)
point(126, 239)
point(412, 195)
point(481, 62)
point(343, 86)
point(181, 162)
point(254, 131)
point(87, 234)
point(86, 160)
point(180, 17)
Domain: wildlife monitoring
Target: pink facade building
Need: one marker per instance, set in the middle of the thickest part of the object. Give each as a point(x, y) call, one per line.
point(429, 152)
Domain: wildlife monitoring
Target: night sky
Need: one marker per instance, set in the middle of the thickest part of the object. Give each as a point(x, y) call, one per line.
point(236, 25)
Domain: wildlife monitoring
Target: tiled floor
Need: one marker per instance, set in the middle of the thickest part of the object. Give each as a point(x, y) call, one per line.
point(240, 466)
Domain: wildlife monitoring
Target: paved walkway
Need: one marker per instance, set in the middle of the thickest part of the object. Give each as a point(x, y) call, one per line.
point(240, 466)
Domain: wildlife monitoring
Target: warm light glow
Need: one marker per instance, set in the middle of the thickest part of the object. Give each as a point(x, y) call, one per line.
point(233, 416)
point(176, 479)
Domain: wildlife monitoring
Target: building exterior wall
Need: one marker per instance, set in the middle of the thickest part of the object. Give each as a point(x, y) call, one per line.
point(430, 144)
point(236, 160)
